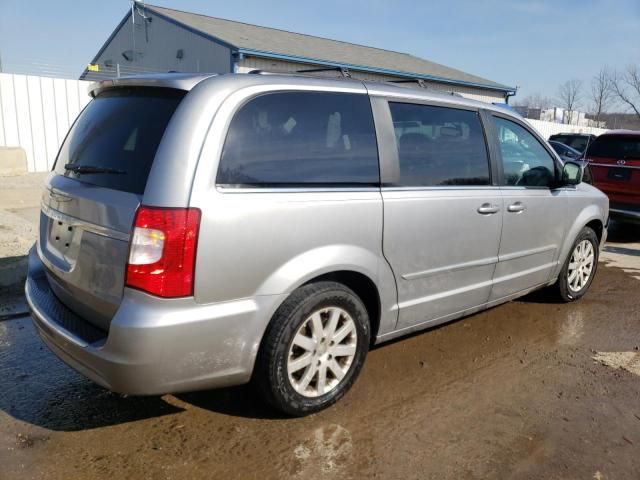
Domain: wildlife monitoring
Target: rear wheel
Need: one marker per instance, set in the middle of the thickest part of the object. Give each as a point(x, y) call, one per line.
point(580, 267)
point(313, 349)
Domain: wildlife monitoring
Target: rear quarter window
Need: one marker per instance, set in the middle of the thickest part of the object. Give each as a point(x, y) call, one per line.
point(119, 130)
point(301, 138)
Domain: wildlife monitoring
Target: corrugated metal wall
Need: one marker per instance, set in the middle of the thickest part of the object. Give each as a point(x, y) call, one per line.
point(36, 113)
point(251, 63)
point(153, 47)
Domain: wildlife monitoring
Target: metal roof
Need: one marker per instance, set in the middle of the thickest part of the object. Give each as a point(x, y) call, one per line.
point(621, 131)
point(273, 43)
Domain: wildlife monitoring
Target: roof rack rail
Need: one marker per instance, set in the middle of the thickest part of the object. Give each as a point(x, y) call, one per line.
point(422, 84)
point(419, 81)
point(257, 71)
point(346, 74)
point(343, 70)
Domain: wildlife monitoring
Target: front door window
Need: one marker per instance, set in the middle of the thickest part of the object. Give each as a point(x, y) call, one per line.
point(525, 162)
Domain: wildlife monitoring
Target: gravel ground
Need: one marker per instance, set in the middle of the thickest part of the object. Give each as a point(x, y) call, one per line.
point(527, 390)
point(19, 211)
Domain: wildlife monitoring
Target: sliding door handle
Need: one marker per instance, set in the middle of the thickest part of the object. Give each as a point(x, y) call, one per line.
point(517, 207)
point(488, 209)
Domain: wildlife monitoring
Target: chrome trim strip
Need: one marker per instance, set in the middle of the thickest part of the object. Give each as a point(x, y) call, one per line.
point(519, 188)
point(630, 213)
point(479, 263)
point(226, 189)
point(610, 165)
point(59, 196)
point(86, 226)
point(526, 253)
point(48, 325)
point(439, 188)
point(451, 268)
point(511, 276)
point(445, 294)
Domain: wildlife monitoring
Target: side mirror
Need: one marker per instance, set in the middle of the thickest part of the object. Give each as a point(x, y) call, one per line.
point(572, 173)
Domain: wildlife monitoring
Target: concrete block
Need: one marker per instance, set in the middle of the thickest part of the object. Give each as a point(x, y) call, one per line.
point(13, 161)
point(13, 274)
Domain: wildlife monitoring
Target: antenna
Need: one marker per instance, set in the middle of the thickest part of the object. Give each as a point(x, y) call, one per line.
point(135, 8)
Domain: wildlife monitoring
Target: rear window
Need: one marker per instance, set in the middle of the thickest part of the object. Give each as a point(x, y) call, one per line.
point(301, 138)
point(622, 147)
point(119, 131)
point(574, 141)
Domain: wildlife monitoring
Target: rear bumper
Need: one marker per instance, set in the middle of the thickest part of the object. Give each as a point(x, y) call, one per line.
point(625, 214)
point(154, 346)
point(624, 210)
point(627, 211)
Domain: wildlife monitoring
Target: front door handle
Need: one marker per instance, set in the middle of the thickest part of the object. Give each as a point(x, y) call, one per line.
point(488, 209)
point(517, 207)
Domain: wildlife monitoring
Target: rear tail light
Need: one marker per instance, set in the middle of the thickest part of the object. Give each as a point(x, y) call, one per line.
point(163, 251)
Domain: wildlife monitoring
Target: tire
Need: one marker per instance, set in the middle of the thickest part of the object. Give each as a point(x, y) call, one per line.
point(282, 380)
point(570, 291)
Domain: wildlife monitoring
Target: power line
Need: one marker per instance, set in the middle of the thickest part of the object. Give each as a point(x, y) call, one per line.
point(43, 67)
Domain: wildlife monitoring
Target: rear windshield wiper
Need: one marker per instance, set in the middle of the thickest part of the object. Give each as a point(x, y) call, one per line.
point(90, 169)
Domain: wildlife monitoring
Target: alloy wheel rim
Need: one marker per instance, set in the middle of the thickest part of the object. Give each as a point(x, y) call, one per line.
point(580, 266)
point(322, 352)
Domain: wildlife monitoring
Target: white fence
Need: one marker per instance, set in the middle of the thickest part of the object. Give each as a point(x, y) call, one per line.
point(36, 113)
point(549, 128)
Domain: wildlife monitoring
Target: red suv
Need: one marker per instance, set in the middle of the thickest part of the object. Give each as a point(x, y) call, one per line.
point(615, 163)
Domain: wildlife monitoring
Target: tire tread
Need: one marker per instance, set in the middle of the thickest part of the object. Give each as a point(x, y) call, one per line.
point(266, 372)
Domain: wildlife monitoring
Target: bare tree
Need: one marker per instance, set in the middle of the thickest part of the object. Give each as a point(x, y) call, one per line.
point(626, 86)
point(570, 95)
point(535, 100)
point(602, 93)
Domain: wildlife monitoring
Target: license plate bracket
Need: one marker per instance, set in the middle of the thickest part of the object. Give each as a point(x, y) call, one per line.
point(61, 235)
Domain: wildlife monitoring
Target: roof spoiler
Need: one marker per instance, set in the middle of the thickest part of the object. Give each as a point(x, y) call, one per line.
point(178, 81)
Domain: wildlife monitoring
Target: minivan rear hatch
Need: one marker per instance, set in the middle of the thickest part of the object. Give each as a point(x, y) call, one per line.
point(89, 206)
point(615, 163)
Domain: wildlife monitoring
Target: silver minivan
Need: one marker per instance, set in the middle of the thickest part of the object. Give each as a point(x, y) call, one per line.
point(201, 231)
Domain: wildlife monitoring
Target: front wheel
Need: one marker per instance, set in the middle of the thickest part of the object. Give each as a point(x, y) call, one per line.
point(580, 267)
point(313, 349)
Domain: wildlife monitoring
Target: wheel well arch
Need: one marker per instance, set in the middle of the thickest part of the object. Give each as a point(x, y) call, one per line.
point(590, 217)
point(363, 287)
point(597, 227)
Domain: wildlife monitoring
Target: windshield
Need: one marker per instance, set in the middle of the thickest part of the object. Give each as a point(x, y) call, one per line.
point(114, 140)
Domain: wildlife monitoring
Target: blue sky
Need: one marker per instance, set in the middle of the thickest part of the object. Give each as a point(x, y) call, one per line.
point(533, 44)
